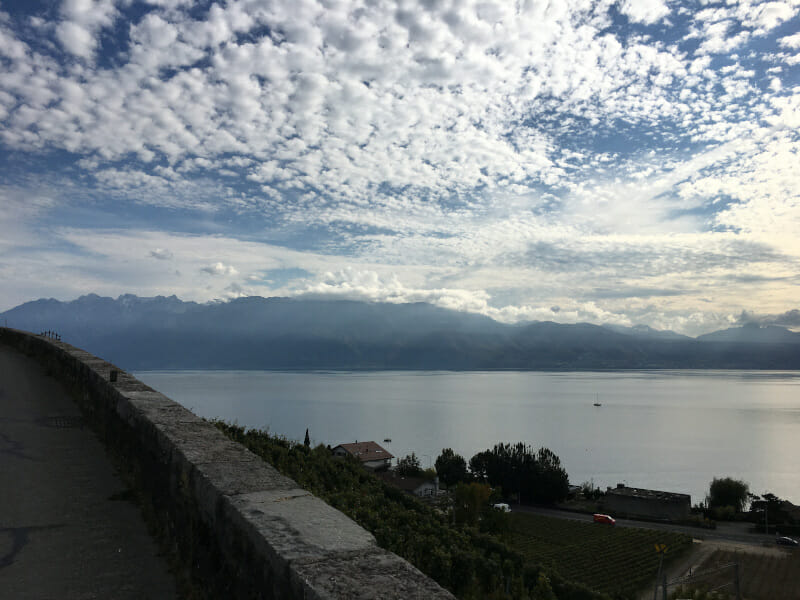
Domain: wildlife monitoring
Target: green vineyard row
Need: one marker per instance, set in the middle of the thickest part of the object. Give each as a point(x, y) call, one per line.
point(615, 560)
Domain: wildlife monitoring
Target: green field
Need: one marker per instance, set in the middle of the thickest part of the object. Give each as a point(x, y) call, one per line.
point(619, 561)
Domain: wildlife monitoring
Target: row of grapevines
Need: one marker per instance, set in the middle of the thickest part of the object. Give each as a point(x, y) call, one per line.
point(618, 561)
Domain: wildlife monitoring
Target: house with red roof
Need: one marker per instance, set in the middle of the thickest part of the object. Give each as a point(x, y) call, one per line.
point(370, 454)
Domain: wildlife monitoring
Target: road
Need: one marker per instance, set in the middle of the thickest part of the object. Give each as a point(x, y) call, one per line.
point(736, 533)
point(67, 527)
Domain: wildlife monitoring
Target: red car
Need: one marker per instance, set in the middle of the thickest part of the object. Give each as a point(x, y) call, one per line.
point(598, 518)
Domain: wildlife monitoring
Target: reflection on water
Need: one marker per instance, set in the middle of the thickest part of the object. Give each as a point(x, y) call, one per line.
point(672, 430)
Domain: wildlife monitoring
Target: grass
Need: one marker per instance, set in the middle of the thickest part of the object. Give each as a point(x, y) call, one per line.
point(618, 561)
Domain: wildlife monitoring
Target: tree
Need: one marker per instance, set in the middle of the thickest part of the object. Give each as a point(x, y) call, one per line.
point(768, 511)
point(469, 501)
point(517, 469)
point(307, 441)
point(451, 468)
point(506, 466)
point(552, 482)
point(479, 465)
point(727, 491)
point(409, 466)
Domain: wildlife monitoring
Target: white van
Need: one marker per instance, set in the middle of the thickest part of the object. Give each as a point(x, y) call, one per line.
point(502, 506)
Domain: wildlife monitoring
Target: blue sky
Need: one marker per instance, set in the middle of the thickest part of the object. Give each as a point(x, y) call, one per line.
point(628, 162)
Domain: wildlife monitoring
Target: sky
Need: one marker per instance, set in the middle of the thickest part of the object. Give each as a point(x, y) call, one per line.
point(624, 162)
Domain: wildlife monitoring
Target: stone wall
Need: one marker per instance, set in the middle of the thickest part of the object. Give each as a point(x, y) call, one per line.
point(240, 527)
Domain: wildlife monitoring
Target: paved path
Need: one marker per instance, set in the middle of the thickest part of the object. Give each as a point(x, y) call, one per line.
point(67, 530)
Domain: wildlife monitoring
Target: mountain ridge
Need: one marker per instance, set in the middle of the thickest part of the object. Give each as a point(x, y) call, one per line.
point(254, 332)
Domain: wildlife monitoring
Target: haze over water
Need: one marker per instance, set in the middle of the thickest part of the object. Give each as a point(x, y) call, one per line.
point(669, 430)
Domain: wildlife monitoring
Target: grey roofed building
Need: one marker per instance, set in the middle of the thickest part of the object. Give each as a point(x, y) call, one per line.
point(653, 504)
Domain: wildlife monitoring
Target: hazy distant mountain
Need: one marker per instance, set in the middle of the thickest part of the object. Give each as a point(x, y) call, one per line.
point(285, 333)
point(753, 333)
point(643, 331)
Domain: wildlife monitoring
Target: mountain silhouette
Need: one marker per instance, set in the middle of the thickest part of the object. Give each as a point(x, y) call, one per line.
point(289, 333)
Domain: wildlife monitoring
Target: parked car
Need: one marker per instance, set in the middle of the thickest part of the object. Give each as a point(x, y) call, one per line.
point(598, 518)
point(786, 541)
point(502, 506)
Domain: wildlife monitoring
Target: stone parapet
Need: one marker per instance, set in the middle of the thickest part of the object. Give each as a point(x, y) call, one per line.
point(242, 529)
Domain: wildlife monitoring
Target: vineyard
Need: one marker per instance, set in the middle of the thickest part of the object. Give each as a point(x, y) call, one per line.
point(762, 576)
point(615, 560)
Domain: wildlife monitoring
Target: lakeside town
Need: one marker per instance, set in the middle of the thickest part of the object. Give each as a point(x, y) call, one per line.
point(729, 519)
point(623, 501)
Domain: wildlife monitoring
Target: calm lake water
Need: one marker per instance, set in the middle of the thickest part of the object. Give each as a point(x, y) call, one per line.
point(669, 430)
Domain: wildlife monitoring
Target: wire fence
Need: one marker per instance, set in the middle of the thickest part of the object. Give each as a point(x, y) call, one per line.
point(723, 579)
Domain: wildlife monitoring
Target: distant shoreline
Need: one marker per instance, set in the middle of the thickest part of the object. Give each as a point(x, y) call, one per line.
point(434, 370)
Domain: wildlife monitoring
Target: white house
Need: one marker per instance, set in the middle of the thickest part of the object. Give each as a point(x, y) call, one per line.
point(417, 486)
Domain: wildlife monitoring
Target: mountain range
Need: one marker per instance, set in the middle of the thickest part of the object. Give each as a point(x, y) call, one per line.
point(288, 333)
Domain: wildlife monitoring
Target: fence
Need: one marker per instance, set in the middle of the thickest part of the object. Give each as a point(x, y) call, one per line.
point(724, 578)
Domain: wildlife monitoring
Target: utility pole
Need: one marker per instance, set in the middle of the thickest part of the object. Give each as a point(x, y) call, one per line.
point(736, 587)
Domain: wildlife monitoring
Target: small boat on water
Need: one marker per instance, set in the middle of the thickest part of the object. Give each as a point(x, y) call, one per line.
point(597, 404)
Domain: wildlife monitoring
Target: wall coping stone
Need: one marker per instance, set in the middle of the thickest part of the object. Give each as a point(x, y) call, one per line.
point(256, 531)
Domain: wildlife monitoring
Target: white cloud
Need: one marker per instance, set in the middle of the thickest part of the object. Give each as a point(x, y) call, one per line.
point(345, 123)
point(771, 14)
point(371, 287)
point(219, 268)
point(82, 21)
point(644, 11)
point(161, 254)
point(76, 39)
point(790, 41)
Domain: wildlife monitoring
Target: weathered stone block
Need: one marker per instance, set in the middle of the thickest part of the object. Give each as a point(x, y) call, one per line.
point(373, 575)
point(291, 524)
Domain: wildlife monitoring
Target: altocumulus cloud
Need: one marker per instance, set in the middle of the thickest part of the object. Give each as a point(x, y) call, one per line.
point(161, 254)
point(219, 268)
point(452, 152)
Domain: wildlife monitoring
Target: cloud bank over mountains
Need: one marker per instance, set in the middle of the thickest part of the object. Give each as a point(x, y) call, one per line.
point(622, 162)
point(291, 333)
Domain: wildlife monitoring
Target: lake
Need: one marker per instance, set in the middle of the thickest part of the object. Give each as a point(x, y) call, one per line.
point(667, 430)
